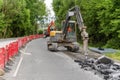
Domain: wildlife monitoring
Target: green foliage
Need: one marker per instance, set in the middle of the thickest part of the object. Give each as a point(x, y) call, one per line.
point(114, 43)
point(40, 31)
point(115, 56)
point(102, 18)
point(60, 8)
point(37, 9)
point(19, 17)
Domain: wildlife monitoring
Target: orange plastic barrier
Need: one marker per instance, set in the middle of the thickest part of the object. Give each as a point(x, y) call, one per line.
point(12, 48)
point(2, 58)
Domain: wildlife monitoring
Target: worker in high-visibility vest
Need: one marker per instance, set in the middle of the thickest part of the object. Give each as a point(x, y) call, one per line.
point(69, 29)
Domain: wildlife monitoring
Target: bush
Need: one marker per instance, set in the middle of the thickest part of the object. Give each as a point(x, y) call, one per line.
point(40, 31)
point(113, 43)
point(115, 55)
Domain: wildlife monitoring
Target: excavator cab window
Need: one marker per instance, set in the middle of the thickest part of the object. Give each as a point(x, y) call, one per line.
point(71, 30)
point(52, 28)
point(71, 33)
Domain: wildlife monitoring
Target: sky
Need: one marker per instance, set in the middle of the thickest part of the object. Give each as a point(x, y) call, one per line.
point(49, 6)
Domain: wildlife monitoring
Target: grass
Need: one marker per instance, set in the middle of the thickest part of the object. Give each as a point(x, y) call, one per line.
point(115, 56)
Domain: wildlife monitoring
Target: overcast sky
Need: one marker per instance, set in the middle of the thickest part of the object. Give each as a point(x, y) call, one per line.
point(49, 6)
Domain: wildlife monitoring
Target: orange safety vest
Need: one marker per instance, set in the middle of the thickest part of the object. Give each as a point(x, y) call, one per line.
point(69, 29)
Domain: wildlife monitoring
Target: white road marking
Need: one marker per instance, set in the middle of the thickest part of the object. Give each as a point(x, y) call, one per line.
point(21, 51)
point(20, 61)
point(25, 48)
point(18, 66)
point(28, 53)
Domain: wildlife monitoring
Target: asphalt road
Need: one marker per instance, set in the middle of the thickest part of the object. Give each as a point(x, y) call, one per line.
point(37, 63)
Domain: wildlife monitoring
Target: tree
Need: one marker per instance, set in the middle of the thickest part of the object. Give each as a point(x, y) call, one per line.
point(18, 17)
point(60, 8)
point(100, 16)
point(2, 23)
point(37, 9)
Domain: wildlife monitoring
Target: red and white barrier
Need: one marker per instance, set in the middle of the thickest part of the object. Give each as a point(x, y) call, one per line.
point(9, 49)
point(2, 58)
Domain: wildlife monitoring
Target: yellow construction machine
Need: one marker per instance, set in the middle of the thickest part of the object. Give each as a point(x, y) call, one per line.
point(67, 37)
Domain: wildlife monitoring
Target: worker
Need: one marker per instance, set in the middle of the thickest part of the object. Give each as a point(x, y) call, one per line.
point(69, 29)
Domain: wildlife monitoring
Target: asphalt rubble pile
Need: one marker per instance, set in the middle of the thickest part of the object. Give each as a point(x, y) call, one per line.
point(103, 66)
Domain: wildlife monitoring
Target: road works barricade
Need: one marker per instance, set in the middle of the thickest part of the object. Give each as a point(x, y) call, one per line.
point(2, 58)
point(9, 49)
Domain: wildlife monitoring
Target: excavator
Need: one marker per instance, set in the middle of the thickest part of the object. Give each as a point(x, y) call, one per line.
point(49, 28)
point(67, 37)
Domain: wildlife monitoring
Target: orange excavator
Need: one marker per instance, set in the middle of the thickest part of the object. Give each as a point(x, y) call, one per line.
point(51, 27)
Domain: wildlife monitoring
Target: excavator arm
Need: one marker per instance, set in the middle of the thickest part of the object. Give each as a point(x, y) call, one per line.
point(76, 12)
point(51, 25)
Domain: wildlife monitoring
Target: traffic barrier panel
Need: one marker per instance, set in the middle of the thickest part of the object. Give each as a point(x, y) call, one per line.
point(5, 47)
point(19, 43)
point(9, 48)
point(6, 54)
point(12, 49)
point(2, 58)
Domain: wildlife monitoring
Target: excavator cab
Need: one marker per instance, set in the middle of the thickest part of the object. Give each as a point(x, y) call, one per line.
point(71, 31)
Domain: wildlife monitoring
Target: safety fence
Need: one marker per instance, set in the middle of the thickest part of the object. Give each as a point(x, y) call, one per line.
point(9, 49)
